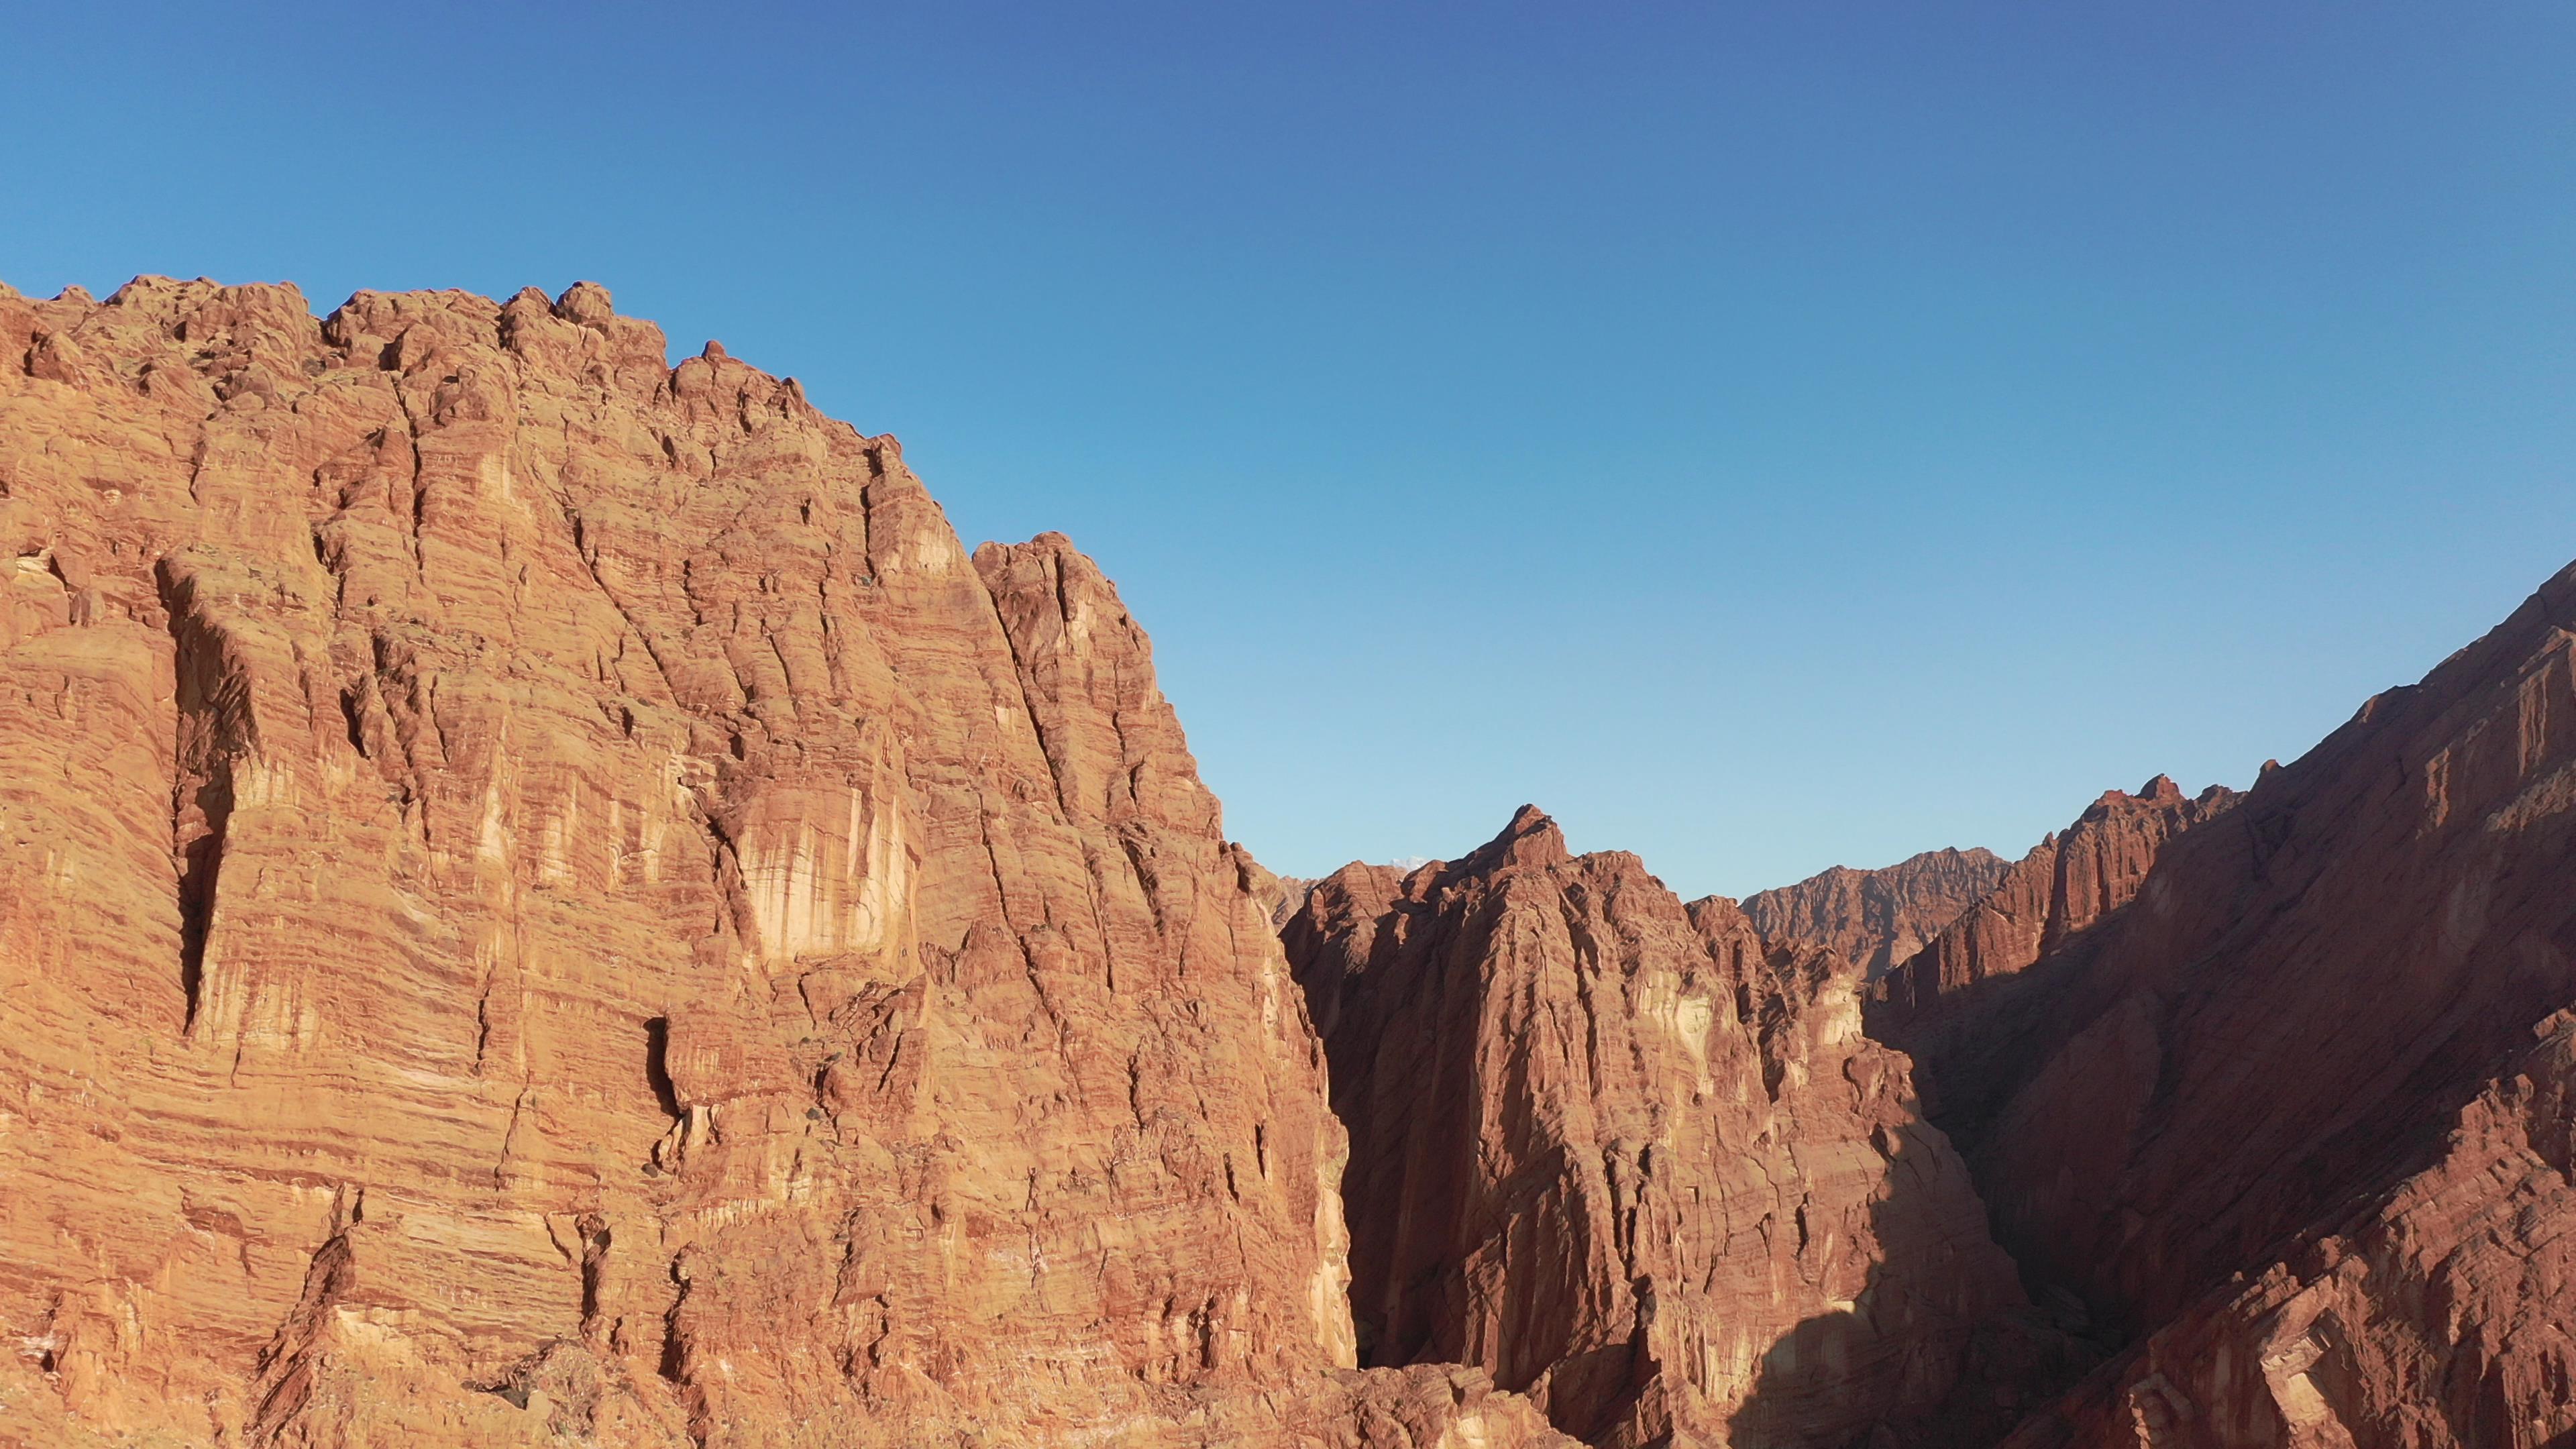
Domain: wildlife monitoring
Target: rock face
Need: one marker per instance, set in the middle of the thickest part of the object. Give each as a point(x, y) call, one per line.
point(2036, 906)
point(1280, 895)
point(1961, 1006)
point(2437, 1315)
point(545, 899)
point(1631, 1161)
point(2285, 1116)
point(1877, 918)
point(544, 893)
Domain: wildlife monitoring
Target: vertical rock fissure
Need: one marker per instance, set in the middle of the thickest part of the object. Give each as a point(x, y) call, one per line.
point(201, 787)
point(430, 934)
point(657, 1066)
point(200, 862)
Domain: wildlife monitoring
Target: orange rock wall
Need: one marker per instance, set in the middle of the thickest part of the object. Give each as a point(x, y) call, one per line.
point(1631, 1161)
point(2435, 1316)
point(1877, 918)
point(542, 891)
point(545, 898)
point(2284, 1118)
point(2065, 885)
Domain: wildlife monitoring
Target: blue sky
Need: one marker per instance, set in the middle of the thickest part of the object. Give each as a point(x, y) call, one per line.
point(1767, 436)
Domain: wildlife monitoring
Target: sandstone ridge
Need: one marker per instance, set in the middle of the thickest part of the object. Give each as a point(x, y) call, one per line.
point(1638, 1163)
point(545, 898)
point(2296, 1116)
point(1877, 918)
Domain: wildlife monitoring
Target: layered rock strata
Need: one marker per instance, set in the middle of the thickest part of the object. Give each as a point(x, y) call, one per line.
point(1632, 1161)
point(1969, 1004)
point(2435, 1315)
point(2299, 1115)
point(1877, 918)
point(2060, 889)
point(545, 898)
point(543, 893)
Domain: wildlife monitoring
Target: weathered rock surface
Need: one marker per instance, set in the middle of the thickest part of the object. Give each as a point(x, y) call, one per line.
point(545, 898)
point(2436, 1316)
point(1635, 1163)
point(1962, 1006)
point(2284, 1116)
point(1281, 895)
point(2061, 888)
point(1877, 918)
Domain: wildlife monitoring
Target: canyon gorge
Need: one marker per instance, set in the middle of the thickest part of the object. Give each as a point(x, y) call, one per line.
point(546, 898)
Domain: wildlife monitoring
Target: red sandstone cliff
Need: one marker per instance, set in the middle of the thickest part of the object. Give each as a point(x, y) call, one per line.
point(2285, 1115)
point(544, 893)
point(1631, 1160)
point(545, 898)
point(2067, 883)
point(2434, 1315)
point(1877, 918)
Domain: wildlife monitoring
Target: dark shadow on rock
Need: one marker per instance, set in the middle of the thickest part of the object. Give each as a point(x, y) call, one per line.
point(1416, 1020)
point(1904, 1365)
point(1975, 1045)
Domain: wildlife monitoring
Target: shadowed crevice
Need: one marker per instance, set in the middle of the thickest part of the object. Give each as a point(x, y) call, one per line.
point(657, 1066)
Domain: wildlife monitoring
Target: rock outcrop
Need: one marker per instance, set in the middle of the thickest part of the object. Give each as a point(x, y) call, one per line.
point(1281, 895)
point(1635, 1163)
point(545, 898)
point(543, 893)
point(2285, 1118)
point(2061, 888)
point(1877, 918)
point(2437, 1315)
point(1962, 1006)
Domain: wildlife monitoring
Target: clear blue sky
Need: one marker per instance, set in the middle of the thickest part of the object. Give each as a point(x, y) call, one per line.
point(1765, 435)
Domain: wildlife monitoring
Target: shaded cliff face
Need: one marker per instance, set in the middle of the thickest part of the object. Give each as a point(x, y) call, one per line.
point(2285, 1115)
point(1962, 1006)
point(2435, 1315)
point(1877, 918)
point(545, 892)
point(2041, 902)
point(1630, 1160)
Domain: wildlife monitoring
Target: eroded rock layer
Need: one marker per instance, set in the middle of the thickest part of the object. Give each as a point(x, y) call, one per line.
point(2435, 1316)
point(1969, 1006)
point(2042, 901)
point(1635, 1163)
point(1877, 918)
point(543, 893)
point(2285, 1116)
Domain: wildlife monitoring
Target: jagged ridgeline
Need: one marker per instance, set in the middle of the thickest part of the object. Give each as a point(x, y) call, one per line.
point(545, 894)
point(545, 899)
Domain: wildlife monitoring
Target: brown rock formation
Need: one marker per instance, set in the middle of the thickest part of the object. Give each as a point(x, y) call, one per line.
point(1877, 918)
point(543, 893)
point(2285, 1116)
point(1281, 895)
point(1631, 1161)
point(545, 899)
point(2067, 883)
point(2437, 1315)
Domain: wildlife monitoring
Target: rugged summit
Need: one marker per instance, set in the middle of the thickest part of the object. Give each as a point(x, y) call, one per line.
point(1633, 1161)
point(1958, 1007)
point(543, 893)
point(1877, 918)
point(2068, 882)
point(2299, 1114)
point(545, 899)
